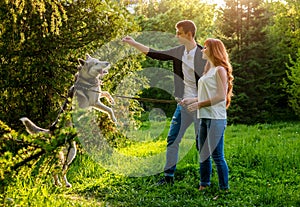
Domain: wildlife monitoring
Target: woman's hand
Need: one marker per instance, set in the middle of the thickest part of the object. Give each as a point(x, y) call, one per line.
point(187, 101)
point(194, 106)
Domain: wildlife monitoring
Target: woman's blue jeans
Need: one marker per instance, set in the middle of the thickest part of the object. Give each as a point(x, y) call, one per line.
point(181, 120)
point(211, 140)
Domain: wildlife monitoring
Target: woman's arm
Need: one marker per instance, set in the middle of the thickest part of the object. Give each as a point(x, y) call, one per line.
point(220, 95)
point(221, 86)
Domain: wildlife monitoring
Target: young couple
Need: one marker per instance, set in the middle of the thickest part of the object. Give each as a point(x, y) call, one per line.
point(203, 84)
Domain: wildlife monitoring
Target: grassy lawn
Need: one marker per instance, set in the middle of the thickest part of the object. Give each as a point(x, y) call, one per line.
point(264, 163)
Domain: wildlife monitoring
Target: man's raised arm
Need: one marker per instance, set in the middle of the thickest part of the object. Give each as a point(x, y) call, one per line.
point(129, 40)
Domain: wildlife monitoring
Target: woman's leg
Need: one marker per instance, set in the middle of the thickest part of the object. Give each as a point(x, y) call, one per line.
point(217, 147)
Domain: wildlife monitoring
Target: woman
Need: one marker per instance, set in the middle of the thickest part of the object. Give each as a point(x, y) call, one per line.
point(214, 96)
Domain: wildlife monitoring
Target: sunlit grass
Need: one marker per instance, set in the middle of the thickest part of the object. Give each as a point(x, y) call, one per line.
point(264, 171)
point(144, 149)
point(151, 139)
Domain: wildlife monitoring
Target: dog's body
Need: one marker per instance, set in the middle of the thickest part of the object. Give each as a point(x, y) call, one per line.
point(87, 86)
point(88, 94)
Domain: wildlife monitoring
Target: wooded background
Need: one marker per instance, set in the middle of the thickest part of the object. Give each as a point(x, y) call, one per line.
point(40, 42)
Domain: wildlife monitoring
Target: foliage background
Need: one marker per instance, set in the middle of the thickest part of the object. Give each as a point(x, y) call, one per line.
point(41, 42)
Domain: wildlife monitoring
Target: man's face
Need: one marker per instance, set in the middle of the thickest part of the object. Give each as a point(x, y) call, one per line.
point(183, 37)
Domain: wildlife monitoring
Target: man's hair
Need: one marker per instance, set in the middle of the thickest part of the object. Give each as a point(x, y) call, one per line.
point(187, 26)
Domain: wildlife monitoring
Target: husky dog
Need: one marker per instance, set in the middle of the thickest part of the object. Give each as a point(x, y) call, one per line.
point(88, 93)
point(87, 86)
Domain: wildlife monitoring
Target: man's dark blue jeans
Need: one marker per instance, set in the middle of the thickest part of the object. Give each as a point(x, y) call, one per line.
point(181, 120)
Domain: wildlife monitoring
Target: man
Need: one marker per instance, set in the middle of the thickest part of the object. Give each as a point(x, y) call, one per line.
point(188, 66)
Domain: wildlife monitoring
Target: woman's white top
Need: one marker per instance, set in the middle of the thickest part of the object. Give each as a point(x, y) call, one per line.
point(207, 89)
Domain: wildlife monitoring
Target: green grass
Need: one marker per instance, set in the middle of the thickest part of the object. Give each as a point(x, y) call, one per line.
point(264, 163)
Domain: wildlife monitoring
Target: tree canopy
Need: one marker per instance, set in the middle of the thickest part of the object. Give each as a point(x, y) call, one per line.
point(40, 42)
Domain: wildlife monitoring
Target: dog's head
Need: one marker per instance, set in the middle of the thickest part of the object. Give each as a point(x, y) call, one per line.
point(92, 67)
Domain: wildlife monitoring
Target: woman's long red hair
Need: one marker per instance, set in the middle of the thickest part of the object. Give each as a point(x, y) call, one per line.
point(219, 57)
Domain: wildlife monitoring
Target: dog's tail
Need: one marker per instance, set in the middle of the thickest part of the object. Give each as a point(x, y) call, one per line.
point(31, 128)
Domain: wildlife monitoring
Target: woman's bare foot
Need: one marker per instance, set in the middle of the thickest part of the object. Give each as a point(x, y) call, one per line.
point(202, 187)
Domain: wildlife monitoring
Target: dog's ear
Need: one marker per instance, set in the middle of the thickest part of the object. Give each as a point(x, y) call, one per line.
point(81, 61)
point(88, 56)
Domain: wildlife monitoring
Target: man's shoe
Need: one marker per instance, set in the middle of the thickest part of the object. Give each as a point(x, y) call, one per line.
point(166, 180)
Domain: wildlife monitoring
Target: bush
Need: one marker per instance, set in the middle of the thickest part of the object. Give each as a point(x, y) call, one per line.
point(292, 85)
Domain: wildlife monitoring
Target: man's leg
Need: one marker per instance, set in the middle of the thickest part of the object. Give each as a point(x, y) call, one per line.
point(181, 120)
point(205, 161)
